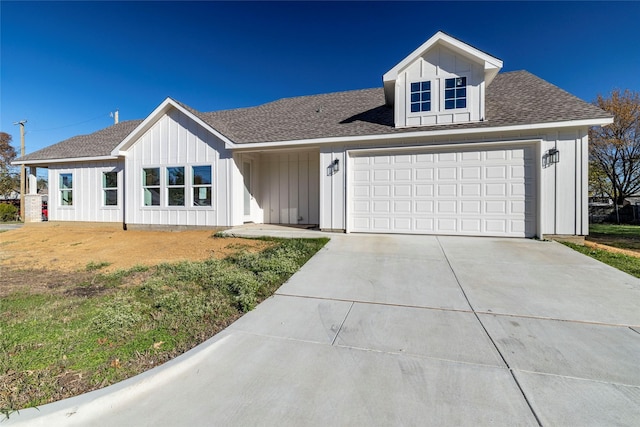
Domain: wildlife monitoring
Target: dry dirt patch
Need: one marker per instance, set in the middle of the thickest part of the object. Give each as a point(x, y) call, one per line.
point(71, 247)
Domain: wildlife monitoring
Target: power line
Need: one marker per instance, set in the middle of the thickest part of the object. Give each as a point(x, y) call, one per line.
point(74, 124)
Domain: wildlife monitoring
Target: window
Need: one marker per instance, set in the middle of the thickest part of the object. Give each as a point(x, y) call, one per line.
point(175, 186)
point(110, 188)
point(455, 93)
point(420, 97)
point(201, 186)
point(151, 186)
point(66, 189)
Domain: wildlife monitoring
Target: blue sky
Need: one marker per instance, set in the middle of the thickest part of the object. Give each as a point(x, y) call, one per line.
point(64, 66)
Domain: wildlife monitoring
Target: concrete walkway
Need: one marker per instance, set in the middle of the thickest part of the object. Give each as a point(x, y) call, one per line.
point(404, 330)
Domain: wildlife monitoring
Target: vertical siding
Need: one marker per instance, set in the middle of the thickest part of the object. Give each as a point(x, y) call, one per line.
point(289, 191)
point(176, 140)
point(436, 65)
point(332, 189)
point(88, 203)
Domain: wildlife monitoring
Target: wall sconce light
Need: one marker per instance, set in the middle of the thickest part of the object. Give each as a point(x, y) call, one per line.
point(551, 157)
point(333, 167)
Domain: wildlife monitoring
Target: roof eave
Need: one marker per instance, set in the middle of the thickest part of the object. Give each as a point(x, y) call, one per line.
point(122, 148)
point(419, 134)
point(63, 160)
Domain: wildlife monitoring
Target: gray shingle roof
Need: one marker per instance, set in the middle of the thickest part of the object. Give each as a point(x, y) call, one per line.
point(97, 144)
point(513, 98)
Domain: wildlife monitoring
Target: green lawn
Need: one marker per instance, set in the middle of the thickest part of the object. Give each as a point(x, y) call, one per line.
point(619, 236)
point(70, 337)
point(626, 263)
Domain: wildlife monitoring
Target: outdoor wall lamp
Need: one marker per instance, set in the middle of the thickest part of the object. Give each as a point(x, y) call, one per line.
point(333, 167)
point(551, 157)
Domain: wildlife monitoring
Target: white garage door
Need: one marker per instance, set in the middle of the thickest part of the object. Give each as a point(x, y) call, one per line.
point(488, 192)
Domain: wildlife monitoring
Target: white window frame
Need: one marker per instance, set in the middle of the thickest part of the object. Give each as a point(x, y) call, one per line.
point(188, 187)
point(105, 189)
point(65, 189)
point(443, 84)
point(194, 187)
point(169, 186)
point(144, 186)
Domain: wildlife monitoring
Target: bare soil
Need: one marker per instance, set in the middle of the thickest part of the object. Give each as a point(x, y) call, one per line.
point(57, 253)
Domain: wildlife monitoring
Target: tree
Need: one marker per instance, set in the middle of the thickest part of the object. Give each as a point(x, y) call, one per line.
point(614, 152)
point(7, 154)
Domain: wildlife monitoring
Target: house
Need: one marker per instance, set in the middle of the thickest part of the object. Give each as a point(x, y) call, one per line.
point(448, 145)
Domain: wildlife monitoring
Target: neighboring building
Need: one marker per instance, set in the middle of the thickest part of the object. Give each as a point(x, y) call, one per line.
point(447, 146)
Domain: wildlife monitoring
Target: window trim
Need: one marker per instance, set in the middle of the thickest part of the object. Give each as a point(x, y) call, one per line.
point(143, 187)
point(438, 88)
point(444, 79)
point(169, 186)
point(62, 189)
point(195, 186)
point(105, 189)
point(188, 187)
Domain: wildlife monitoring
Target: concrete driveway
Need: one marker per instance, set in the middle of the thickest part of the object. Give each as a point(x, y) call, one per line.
point(405, 330)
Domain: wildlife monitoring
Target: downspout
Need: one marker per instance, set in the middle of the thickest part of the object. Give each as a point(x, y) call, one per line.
point(124, 197)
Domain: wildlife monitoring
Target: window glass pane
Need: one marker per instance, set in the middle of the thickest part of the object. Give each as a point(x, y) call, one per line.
point(152, 197)
point(415, 97)
point(110, 180)
point(175, 176)
point(110, 197)
point(449, 104)
point(415, 108)
point(151, 176)
point(66, 180)
point(66, 198)
point(461, 81)
point(449, 83)
point(461, 103)
point(426, 106)
point(426, 96)
point(176, 197)
point(201, 175)
point(461, 93)
point(449, 93)
point(202, 196)
point(415, 87)
point(426, 85)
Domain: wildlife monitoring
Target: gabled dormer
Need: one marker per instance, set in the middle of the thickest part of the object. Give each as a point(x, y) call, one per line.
point(441, 82)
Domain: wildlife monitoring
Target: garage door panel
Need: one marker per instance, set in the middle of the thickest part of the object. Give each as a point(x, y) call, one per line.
point(474, 192)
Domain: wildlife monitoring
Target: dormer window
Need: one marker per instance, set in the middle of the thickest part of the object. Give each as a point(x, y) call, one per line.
point(420, 96)
point(455, 93)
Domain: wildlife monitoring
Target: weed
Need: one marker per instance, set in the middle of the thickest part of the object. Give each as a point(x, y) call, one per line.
point(93, 266)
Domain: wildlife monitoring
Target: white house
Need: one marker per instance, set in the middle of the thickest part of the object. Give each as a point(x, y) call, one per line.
point(448, 145)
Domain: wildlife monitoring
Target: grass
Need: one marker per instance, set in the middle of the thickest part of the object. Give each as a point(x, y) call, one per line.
point(89, 334)
point(626, 263)
point(619, 236)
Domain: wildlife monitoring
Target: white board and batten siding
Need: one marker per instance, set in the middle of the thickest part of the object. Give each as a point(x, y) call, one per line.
point(488, 191)
point(177, 140)
point(289, 187)
point(88, 198)
point(435, 66)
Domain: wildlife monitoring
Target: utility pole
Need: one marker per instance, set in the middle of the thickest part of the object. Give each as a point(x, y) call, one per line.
point(23, 177)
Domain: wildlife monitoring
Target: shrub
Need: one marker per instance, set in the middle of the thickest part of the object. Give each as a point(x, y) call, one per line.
point(8, 212)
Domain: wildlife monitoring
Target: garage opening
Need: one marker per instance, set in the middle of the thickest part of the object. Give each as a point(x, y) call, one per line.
point(475, 192)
